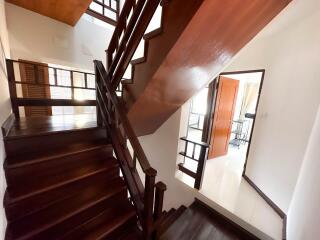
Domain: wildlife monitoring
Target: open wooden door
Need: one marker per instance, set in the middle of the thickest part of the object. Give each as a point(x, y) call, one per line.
point(37, 75)
point(222, 116)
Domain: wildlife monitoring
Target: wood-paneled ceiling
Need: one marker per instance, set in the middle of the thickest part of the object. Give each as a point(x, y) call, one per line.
point(66, 11)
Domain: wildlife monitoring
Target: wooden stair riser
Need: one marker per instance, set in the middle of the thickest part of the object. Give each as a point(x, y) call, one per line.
point(56, 167)
point(42, 143)
point(75, 199)
point(52, 231)
point(89, 229)
point(50, 182)
point(28, 205)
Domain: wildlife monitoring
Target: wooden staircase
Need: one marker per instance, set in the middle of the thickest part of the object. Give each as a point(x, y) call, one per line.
point(194, 43)
point(157, 43)
point(66, 185)
point(200, 222)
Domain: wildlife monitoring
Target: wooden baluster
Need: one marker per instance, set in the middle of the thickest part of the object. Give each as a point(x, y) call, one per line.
point(134, 160)
point(118, 10)
point(148, 203)
point(12, 88)
point(109, 59)
point(72, 85)
point(36, 74)
point(193, 150)
point(201, 166)
point(55, 77)
point(86, 80)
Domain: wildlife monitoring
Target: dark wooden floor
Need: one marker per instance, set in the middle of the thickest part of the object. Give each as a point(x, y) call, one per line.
point(48, 124)
point(198, 222)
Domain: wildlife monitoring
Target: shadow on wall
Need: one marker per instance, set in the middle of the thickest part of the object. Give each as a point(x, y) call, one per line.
point(161, 150)
point(2, 60)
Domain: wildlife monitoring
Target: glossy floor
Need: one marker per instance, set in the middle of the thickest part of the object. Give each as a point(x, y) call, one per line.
point(223, 184)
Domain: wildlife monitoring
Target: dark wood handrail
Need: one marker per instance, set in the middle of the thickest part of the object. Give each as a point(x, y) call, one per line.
point(49, 67)
point(145, 165)
point(201, 160)
point(148, 199)
point(25, 101)
point(195, 142)
point(123, 27)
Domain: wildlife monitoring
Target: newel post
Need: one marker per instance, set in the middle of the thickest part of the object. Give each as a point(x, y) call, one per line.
point(148, 203)
point(158, 202)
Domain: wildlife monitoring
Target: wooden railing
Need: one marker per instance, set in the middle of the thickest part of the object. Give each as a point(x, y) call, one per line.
point(132, 24)
point(147, 198)
point(26, 75)
point(198, 125)
point(105, 10)
point(198, 153)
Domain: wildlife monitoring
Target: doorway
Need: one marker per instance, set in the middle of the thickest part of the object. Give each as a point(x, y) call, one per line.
point(232, 120)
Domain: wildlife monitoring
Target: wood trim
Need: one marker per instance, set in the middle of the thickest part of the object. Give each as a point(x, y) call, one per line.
point(203, 144)
point(52, 102)
point(254, 120)
point(186, 171)
point(226, 221)
point(284, 228)
point(258, 101)
point(271, 204)
point(265, 197)
point(46, 65)
point(207, 125)
point(242, 72)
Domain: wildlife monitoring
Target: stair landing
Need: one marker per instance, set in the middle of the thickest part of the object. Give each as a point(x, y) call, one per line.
point(26, 126)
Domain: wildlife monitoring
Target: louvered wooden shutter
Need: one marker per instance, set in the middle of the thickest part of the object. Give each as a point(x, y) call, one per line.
point(36, 75)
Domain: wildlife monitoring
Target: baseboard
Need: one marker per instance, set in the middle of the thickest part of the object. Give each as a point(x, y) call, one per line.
point(274, 206)
point(284, 229)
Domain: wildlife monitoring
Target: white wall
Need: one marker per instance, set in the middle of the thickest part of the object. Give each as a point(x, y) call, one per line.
point(39, 38)
point(289, 49)
point(5, 107)
point(304, 212)
point(161, 148)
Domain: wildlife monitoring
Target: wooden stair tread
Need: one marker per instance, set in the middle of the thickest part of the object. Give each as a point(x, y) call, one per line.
point(171, 217)
point(17, 193)
point(18, 209)
point(38, 157)
point(134, 234)
point(105, 224)
point(178, 226)
point(59, 213)
point(47, 125)
point(102, 186)
point(152, 34)
point(138, 60)
point(198, 223)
